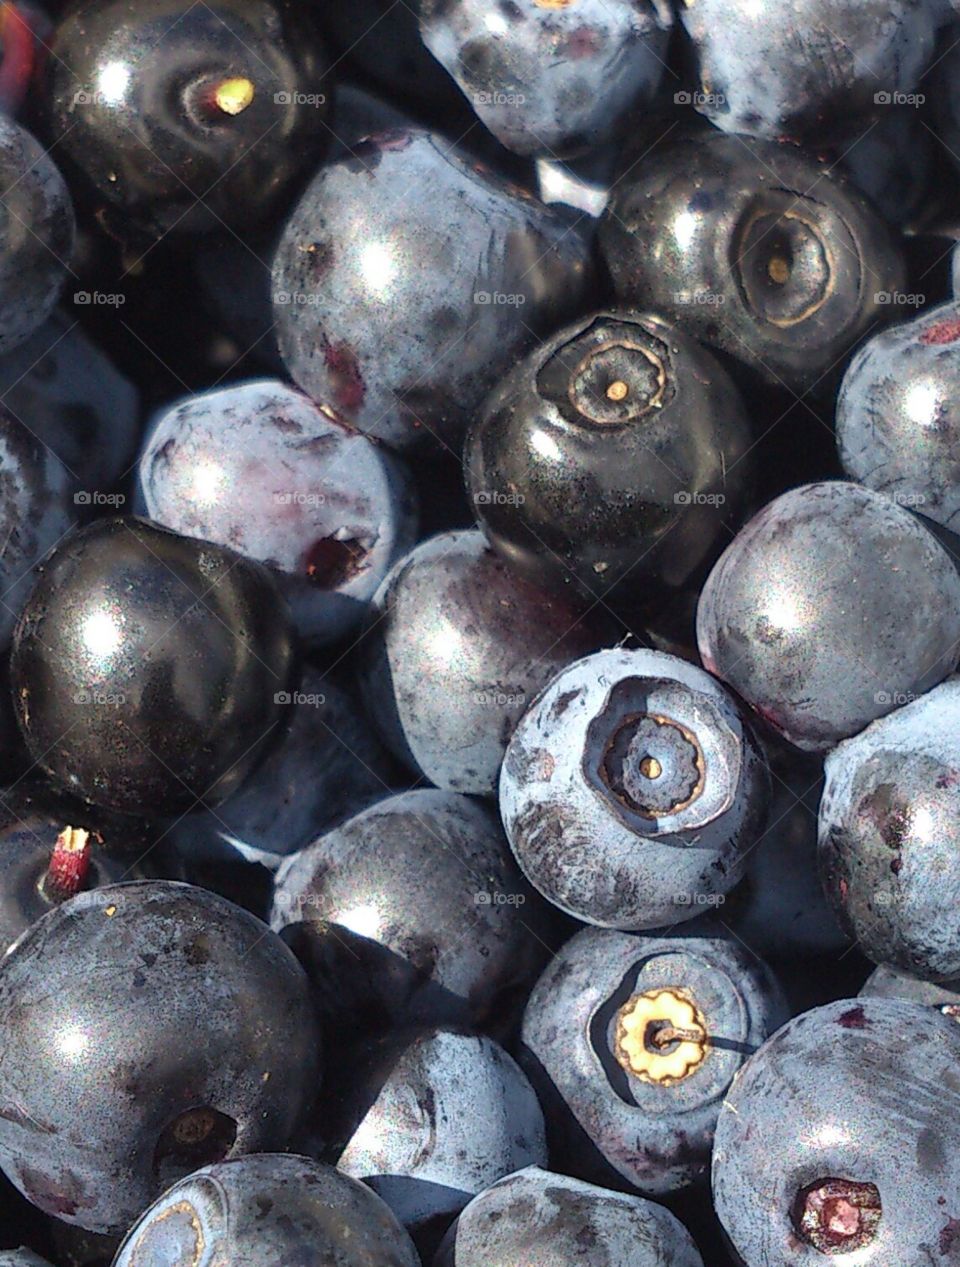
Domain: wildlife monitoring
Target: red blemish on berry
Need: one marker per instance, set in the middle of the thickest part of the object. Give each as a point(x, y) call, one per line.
point(393, 141)
point(349, 389)
point(69, 864)
point(854, 1019)
point(949, 1236)
point(842, 886)
point(896, 865)
point(942, 333)
point(330, 562)
point(837, 1215)
point(583, 42)
point(18, 61)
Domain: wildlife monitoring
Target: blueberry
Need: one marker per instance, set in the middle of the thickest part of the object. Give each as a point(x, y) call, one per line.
point(326, 766)
point(270, 1210)
point(21, 1258)
point(77, 404)
point(258, 467)
point(189, 118)
point(36, 236)
point(402, 313)
point(631, 790)
point(898, 424)
point(828, 609)
point(551, 79)
point(632, 1043)
point(430, 1119)
point(779, 908)
point(815, 67)
point(892, 163)
point(889, 836)
point(889, 983)
point(151, 1027)
point(755, 248)
point(457, 647)
point(612, 457)
point(414, 910)
point(146, 666)
point(838, 1139)
point(549, 1220)
point(955, 270)
point(36, 510)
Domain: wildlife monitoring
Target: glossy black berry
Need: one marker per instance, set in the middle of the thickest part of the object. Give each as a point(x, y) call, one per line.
point(183, 117)
point(151, 1028)
point(612, 457)
point(146, 665)
point(754, 248)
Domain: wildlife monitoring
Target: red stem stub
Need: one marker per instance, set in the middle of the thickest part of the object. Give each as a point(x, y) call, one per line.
point(836, 1216)
point(69, 864)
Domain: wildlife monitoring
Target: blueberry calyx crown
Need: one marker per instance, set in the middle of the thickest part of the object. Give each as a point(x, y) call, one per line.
point(836, 1216)
point(660, 1036)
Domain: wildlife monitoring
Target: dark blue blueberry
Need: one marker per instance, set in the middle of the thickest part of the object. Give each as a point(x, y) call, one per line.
point(414, 910)
point(77, 404)
point(21, 1258)
point(889, 983)
point(631, 790)
point(37, 509)
point(889, 836)
point(429, 1120)
point(146, 667)
point(613, 457)
point(458, 646)
point(267, 1210)
point(893, 163)
point(898, 416)
point(326, 766)
point(36, 235)
point(807, 67)
point(632, 1043)
point(779, 908)
point(181, 117)
point(402, 312)
point(259, 468)
point(830, 608)
point(542, 1219)
point(550, 79)
point(151, 1028)
point(839, 1140)
point(788, 268)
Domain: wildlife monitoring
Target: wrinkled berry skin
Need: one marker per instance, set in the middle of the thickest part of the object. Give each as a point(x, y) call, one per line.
point(36, 238)
point(145, 667)
point(898, 418)
point(77, 404)
point(458, 645)
point(325, 766)
point(268, 1209)
point(414, 910)
point(127, 1008)
point(863, 1091)
point(259, 468)
point(430, 1119)
point(889, 836)
point(549, 1220)
point(637, 1114)
point(133, 101)
point(779, 908)
point(573, 485)
point(755, 248)
point(631, 789)
point(553, 80)
point(889, 983)
point(816, 66)
point(818, 670)
point(403, 313)
point(36, 509)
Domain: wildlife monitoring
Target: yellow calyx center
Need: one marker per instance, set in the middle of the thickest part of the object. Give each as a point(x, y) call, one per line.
point(234, 95)
point(779, 270)
point(618, 391)
point(660, 1037)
